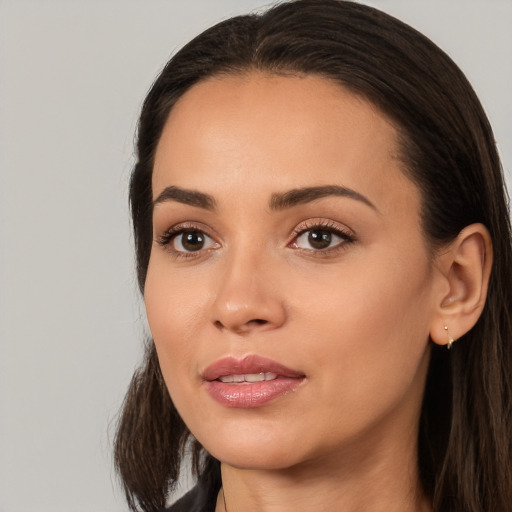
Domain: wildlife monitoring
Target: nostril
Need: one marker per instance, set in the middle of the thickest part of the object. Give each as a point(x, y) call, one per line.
point(244, 327)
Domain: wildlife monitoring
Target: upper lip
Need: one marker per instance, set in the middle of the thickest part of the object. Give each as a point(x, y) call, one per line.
point(248, 365)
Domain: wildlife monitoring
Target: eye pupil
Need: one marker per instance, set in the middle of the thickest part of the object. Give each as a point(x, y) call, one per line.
point(320, 239)
point(193, 240)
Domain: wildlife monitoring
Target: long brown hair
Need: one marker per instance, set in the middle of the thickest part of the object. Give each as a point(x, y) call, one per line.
point(448, 149)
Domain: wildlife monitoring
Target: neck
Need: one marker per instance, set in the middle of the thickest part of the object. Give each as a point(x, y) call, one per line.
point(377, 481)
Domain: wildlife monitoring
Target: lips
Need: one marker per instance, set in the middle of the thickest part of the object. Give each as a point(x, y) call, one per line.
point(249, 382)
point(248, 365)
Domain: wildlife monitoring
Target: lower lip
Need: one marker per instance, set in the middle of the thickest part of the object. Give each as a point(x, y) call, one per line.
point(251, 394)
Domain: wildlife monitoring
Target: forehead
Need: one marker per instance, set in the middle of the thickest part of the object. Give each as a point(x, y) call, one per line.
point(280, 132)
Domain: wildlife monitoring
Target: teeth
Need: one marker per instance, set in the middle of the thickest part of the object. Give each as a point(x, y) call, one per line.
point(258, 377)
point(248, 377)
point(254, 377)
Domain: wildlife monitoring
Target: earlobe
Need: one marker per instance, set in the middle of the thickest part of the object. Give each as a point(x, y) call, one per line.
point(465, 268)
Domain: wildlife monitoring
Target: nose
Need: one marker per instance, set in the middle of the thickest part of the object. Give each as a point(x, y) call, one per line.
point(248, 298)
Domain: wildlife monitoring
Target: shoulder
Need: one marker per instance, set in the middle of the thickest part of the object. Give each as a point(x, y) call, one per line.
point(195, 500)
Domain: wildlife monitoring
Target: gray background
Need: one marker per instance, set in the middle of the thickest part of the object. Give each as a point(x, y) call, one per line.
point(72, 78)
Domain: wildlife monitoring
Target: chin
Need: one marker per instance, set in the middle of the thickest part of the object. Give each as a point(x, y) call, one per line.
point(257, 459)
point(256, 451)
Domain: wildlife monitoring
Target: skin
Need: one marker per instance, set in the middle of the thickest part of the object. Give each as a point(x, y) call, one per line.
point(354, 318)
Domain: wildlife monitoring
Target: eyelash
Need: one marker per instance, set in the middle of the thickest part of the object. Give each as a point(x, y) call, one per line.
point(166, 239)
point(324, 225)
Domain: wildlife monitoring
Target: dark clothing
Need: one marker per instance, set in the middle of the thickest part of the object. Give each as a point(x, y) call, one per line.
point(199, 499)
point(203, 497)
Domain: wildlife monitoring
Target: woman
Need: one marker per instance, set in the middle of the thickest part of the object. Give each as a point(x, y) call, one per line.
point(319, 212)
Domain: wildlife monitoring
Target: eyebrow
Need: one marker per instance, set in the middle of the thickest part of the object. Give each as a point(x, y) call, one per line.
point(190, 197)
point(298, 196)
point(278, 201)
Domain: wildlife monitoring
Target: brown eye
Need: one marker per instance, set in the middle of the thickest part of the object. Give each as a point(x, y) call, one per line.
point(191, 241)
point(184, 241)
point(319, 239)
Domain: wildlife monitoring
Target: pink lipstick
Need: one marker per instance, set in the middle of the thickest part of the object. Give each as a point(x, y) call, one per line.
point(249, 382)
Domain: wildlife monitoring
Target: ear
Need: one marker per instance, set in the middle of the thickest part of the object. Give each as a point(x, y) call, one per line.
point(463, 271)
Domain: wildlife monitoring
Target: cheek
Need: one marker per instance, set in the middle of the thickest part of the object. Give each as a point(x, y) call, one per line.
point(365, 301)
point(175, 300)
point(175, 308)
point(367, 337)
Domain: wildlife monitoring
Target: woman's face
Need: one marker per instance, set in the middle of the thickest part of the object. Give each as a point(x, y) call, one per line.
point(289, 291)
